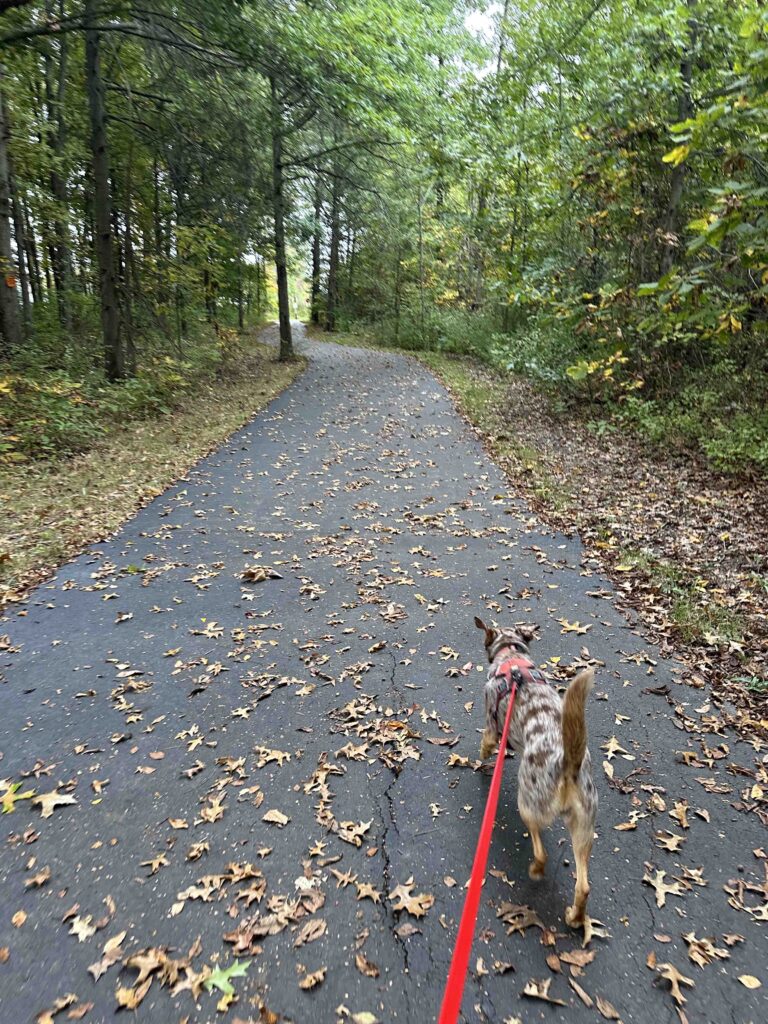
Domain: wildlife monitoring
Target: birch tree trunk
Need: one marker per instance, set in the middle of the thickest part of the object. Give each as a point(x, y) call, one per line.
point(333, 260)
point(315, 286)
point(10, 319)
point(278, 208)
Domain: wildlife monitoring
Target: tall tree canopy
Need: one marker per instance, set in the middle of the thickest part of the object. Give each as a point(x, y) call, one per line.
point(575, 190)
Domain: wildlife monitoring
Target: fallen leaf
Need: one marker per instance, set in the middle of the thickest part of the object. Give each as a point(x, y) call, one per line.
point(110, 955)
point(750, 981)
point(402, 899)
point(370, 970)
point(46, 1017)
point(671, 974)
point(608, 1010)
point(38, 880)
point(275, 817)
point(259, 573)
point(49, 801)
point(663, 889)
point(221, 979)
point(540, 990)
point(310, 981)
point(310, 931)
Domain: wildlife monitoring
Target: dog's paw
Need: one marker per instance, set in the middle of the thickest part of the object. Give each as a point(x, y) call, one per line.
point(574, 917)
point(536, 869)
point(486, 749)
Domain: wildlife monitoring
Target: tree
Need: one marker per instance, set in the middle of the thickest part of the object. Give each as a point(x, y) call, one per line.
point(10, 321)
point(114, 357)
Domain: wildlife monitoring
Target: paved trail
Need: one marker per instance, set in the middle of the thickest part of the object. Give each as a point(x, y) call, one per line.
point(150, 683)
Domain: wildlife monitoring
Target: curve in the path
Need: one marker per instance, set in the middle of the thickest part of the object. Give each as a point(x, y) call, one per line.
point(148, 656)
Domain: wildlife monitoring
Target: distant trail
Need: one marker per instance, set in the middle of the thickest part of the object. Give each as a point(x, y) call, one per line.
point(165, 694)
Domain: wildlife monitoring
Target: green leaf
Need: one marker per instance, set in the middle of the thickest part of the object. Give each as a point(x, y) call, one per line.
point(649, 288)
point(220, 979)
point(11, 795)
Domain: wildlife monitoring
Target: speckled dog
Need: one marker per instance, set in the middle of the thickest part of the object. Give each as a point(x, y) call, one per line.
point(550, 735)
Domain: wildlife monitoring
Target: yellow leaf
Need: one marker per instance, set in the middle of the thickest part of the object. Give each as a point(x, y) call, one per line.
point(749, 981)
point(677, 155)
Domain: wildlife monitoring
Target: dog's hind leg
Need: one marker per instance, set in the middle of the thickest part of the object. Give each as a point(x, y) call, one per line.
point(581, 827)
point(488, 744)
point(538, 865)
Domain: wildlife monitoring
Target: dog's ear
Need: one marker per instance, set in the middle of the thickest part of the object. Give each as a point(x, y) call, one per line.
point(489, 632)
point(527, 632)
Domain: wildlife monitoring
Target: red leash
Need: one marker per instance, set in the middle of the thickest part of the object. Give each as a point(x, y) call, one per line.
point(454, 986)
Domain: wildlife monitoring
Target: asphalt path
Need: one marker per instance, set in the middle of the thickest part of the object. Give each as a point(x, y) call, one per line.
point(179, 704)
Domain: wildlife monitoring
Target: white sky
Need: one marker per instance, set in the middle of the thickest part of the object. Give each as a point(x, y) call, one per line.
point(482, 23)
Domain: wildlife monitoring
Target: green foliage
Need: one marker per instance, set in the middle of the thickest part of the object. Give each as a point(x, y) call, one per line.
point(46, 413)
point(592, 211)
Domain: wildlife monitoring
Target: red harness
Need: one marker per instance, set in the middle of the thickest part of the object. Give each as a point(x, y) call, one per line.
point(515, 672)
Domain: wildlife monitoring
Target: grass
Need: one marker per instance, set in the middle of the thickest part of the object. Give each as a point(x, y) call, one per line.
point(693, 610)
point(51, 510)
point(316, 333)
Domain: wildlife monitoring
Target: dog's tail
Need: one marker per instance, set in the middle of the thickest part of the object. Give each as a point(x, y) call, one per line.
point(574, 724)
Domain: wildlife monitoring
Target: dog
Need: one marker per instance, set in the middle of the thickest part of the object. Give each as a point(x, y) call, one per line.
point(549, 733)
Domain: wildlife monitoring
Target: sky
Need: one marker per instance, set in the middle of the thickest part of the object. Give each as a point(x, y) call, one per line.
point(482, 23)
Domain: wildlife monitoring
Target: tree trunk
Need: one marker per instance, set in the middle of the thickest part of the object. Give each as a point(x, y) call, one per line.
point(351, 265)
point(677, 180)
point(61, 257)
point(278, 206)
point(315, 292)
point(240, 295)
point(333, 259)
point(421, 268)
point(10, 320)
point(114, 361)
point(18, 234)
point(30, 249)
point(258, 289)
point(129, 267)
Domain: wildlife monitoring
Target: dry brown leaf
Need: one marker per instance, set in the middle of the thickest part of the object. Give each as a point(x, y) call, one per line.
point(663, 889)
point(46, 1017)
point(669, 841)
point(353, 832)
point(578, 957)
point(680, 813)
point(38, 880)
point(275, 817)
point(403, 899)
point(50, 801)
point(704, 951)
point(370, 970)
point(310, 931)
point(367, 891)
point(607, 1010)
point(83, 927)
point(78, 1012)
point(540, 990)
point(671, 974)
point(310, 981)
point(130, 998)
point(259, 573)
point(110, 955)
point(585, 997)
point(593, 929)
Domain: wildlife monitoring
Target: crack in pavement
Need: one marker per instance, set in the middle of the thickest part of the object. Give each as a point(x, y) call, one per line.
point(374, 485)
